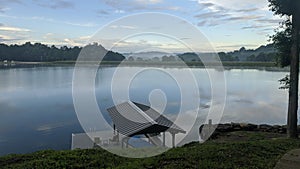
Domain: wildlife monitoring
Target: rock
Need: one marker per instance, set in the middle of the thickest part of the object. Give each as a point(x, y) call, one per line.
point(265, 127)
point(224, 128)
point(283, 129)
point(236, 126)
point(249, 127)
point(276, 127)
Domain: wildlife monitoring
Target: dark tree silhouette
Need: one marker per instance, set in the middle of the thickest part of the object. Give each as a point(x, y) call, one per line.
point(290, 8)
point(42, 53)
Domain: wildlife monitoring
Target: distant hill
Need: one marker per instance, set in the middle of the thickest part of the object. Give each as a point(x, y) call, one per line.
point(189, 57)
point(265, 53)
point(146, 55)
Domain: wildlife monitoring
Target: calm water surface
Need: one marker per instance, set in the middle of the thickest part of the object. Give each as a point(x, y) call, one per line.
point(37, 112)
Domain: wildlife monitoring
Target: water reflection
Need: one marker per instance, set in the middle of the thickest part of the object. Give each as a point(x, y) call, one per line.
point(36, 107)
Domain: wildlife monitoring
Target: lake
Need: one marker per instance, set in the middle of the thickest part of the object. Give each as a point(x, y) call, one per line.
point(37, 111)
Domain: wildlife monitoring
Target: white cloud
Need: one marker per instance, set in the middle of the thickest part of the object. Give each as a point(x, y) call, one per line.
point(72, 42)
point(245, 15)
point(119, 11)
point(149, 1)
point(85, 37)
point(44, 19)
point(5, 38)
point(62, 40)
point(236, 16)
point(237, 4)
point(57, 4)
point(122, 6)
point(13, 29)
point(80, 24)
point(49, 36)
point(135, 45)
point(4, 9)
point(5, 3)
point(12, 38)
point(123, 26)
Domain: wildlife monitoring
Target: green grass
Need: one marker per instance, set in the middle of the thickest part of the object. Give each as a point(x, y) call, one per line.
point(247, 136)
point(230, 154)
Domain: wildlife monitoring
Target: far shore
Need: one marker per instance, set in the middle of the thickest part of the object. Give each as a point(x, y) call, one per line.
point(227, 65)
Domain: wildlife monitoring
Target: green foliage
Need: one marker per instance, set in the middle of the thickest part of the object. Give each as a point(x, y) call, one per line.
point(282, 7)
point(227, 57)
point(250, 54)
point(262, 57)
point(193, 57)
point(189, 57)
point(290, 8)
point(285, 82)
point(236, 154)
point(168, 58)
point(283, 42)
point(42, 53)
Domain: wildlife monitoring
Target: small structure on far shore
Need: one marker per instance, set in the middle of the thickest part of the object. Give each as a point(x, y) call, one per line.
point(5, 62)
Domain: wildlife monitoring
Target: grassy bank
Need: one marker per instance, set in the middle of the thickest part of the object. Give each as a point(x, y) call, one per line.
point(255, 150)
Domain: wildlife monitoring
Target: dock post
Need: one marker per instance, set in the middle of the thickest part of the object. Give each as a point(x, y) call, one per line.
point(173, 140)
point(164, 139)
point(209, 126)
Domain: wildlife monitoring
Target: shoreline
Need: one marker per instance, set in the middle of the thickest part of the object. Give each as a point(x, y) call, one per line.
point(237, 149)
point(268, 66)
point(230, 132)
point(221, 130)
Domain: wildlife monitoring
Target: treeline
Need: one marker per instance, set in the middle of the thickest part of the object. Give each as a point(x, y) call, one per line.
point(266, 53)
point(227, 57)
point(38, 52)
point(262, 57)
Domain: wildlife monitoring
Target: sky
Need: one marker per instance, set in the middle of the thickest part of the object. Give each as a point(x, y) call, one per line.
point(227, 24)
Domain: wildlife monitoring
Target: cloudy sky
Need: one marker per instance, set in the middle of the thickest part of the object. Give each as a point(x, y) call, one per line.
point(227, 24)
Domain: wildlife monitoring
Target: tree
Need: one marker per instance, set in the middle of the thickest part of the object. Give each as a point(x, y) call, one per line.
point(139, 59)
point(291, 8)
point(251, 58)
point(227, 57)
point(42, 53)
point(155, 59)
point(243, 49)
point(130, 58)
point(282, 40)
point(168, 58)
